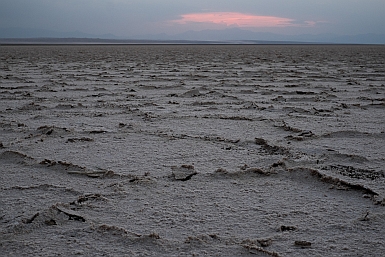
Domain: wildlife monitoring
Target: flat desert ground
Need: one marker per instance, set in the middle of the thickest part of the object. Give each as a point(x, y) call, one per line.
point(192, 150)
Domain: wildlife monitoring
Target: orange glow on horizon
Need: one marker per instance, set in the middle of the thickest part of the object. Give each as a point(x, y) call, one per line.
point(235, 19)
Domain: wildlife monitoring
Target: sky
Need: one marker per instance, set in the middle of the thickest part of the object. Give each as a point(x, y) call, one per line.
point(130, 18)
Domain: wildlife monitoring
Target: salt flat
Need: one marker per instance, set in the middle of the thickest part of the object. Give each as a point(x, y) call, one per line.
point(192, 150)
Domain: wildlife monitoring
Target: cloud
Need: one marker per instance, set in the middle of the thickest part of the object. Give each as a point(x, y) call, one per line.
point(235, 19)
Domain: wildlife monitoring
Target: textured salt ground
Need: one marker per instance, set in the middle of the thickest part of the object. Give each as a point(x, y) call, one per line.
point(221, 212)
point(192, 150)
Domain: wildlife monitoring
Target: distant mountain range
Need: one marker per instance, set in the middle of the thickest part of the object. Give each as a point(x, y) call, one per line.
point(43, 33)
point(233, 35)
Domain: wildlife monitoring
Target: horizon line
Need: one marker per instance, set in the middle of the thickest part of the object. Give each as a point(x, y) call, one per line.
point(102, 41)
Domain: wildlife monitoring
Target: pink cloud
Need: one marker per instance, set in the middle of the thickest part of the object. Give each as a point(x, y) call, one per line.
point(235, 19)
point(310, 23)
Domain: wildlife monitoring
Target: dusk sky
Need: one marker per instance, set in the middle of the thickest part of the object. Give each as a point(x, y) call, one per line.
point(127, 18)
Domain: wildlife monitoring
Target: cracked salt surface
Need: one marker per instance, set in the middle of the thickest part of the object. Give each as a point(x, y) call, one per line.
point(192, 150)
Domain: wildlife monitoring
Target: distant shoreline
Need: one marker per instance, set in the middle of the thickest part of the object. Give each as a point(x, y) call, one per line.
point(98, 41)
